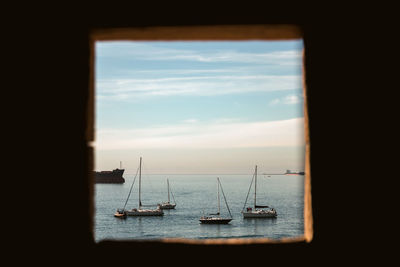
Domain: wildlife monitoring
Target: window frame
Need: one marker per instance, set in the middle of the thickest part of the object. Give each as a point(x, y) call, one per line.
point(263, 32)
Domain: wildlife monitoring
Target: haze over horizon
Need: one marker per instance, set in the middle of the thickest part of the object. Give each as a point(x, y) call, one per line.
point(199, 107)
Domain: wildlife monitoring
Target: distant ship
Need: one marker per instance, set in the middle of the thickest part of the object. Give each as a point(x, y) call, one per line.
point(110, 177)
point(289, 172)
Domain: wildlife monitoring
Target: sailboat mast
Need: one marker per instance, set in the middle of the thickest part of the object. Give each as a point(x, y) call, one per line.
point(140, 179)
point(223, 194)
point(255, 188)
point(219, 208)
point(168, 189)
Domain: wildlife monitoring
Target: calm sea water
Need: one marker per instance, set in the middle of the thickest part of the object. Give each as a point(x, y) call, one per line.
point(195, 195)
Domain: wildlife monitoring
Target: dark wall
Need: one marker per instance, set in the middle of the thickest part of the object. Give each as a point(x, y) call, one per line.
point(57, 220)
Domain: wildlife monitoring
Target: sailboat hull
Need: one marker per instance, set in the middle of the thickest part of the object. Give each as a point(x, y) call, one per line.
point(259, 214)
point(167, 206)
point(136, 212)
point(212, 220)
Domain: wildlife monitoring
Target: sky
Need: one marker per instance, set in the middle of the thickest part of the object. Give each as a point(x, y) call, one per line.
point(199, 107)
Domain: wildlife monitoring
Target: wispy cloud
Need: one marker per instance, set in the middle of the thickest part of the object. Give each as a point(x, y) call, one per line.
point(292, 99)
point(278, 58)
point(205, 135)
point(179, 72)
point(143, 51)
point(201, 86)
point(287, 100)
point(251, 73)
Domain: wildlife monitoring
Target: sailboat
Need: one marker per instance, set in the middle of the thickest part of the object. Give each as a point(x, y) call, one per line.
point(217, 219)
point(168, 205)
point(257, 211)
point(140, 211)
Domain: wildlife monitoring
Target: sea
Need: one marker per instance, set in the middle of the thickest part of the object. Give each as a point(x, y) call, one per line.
point(195, 195)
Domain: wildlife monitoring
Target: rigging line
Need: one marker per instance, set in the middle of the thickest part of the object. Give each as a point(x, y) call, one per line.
point(222, 190)
point(172, 194)
point(219, 209)
point(131, 188)
point(248, 192)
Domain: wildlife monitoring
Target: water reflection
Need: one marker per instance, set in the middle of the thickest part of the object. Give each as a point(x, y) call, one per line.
point(260, 226)
point(140, 226)
point(216, 230)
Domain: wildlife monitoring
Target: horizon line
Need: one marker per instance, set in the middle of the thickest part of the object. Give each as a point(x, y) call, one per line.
point(207, 174)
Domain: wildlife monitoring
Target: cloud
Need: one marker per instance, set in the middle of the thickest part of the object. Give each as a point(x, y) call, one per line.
point(198, 86)
point(145, 51)
point(206, 135)
point(287, 100)
point(169, 72)
point(190, 121)
point(277, 58)
point(291, 99)
point(217, 79)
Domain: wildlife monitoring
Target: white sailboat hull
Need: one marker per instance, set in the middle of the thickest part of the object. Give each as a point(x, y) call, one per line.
point(136, 212)
point(167, 206)
point(259, 214)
